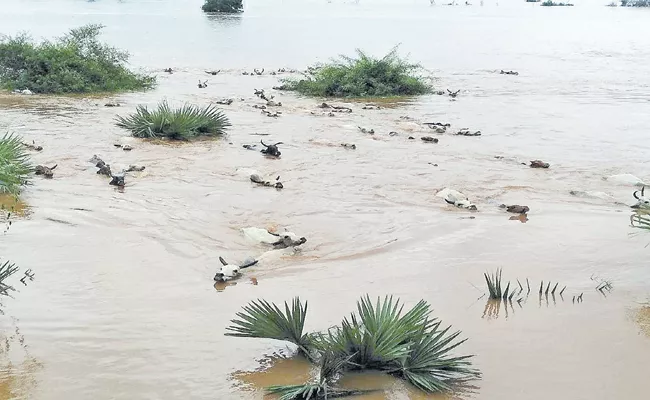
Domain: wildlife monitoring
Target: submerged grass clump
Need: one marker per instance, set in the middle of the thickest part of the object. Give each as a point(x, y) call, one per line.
point(224, 6)
point(15, 167)
point(363, 76)
point(186, 122)
point(379, 336)
point(520, 293)
point(75, 63)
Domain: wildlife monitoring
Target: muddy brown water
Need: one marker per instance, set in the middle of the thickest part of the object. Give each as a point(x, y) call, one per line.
point(123, 305)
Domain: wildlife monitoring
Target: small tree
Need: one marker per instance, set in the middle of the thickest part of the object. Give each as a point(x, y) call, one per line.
point(223, 6)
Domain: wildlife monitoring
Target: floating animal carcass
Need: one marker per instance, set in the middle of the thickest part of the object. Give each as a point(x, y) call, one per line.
point(456, 198)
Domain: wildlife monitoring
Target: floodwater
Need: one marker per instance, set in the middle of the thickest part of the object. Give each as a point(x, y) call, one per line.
point(123, 304)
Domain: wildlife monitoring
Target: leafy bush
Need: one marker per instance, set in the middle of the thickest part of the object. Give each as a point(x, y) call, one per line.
point(75, 63)
point(14, 165)
point(635, 3)
point(182, 123)
point(363, 76)
point(224, 6)
point(411, 345)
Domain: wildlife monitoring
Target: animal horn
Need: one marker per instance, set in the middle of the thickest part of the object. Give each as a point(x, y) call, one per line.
point(642, 190)
point(250, 264)
point(261, 141)
point(449, 90)
point(278, 143)
point(223, 261)
point(635, 196)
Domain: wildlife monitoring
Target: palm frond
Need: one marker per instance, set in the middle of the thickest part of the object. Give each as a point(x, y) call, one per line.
point(15, 167)
point(312, 392)
point(331, 365)
point(261, 319)
point(429, 365)
point(183, 123)
point(6, 270)
point(378, 336)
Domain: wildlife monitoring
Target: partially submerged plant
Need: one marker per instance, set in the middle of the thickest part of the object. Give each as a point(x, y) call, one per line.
point(496, 292)
point(15, 167)
point(223, 6)
point(411, 345)
point(640, 220)
point(261, 319)
point(186, 122)
point(75, 63)
point(494, 285)
point(363, 76)
point(6, 270)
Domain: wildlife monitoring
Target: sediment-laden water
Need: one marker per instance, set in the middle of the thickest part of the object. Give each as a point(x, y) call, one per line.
point(123, 305)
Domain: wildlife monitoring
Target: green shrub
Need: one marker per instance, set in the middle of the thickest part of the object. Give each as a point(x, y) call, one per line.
point(14, 165)
point(363, 76)
point(184, 123)
point(224, 6)
point(75, 63)
point(549, 3)
point(411, 345)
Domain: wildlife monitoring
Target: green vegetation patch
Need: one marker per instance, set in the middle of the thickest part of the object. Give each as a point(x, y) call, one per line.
point(15, 167)
point(411, 345)
point(75, 63)
point(363, 76)
point(186, 122)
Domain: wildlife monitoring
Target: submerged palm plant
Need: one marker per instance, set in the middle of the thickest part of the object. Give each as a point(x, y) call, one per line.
point(379, 337)
point(363, 76)
point(14, 165)
point(330, 367)
point(183, 123)
point(260, 319)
